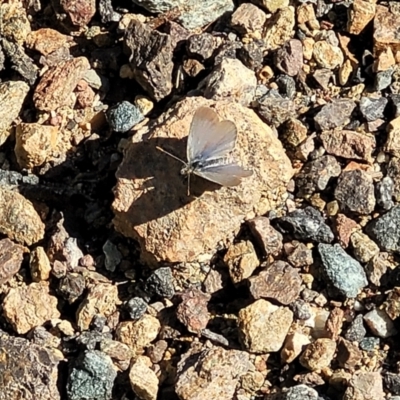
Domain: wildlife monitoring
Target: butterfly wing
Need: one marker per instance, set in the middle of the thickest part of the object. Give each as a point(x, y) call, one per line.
point(224, 174)
point(209, 138)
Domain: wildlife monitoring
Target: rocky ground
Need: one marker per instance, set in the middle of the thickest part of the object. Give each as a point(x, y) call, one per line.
point(117, 284)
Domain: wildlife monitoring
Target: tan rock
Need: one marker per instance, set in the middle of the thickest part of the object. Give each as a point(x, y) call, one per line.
point(306, 15)
point(12, 96)
point(11, 257)
point(14, 24)
point(46, 40)
point(384, 60)
point(34, 143)
point(263, 327)
point(144, 381)
point(345, 71)
point(101, 299)
point(385, 33)
point(151, 202)
point(293, 346)
point(365, 386)
point(26, 307)
point(360, 15)
point(318, 354)
point(230, 80)
point(199, 379)
point(327, 55)
point(18, 219)
point(242, 260)
point(279, 29)
point(272, 5)
point(308, 48)
point(57, 84)
point(392, 144)
point(39, 265)
point(248, 19)
point(364, 248)
point(138, 334)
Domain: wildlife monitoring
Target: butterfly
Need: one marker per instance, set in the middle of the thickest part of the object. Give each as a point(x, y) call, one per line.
point(210, 142)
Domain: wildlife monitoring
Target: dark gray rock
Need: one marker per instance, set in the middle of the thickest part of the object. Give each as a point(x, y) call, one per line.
point(112, 256)
point(287, 86)
point(202, 46)
point(124, 116)
point(252, 54)
point(372, 109)
point(160, 283)
point(275, 109)
point(343, 273)
point(305, 224)
point(356, 331)
point(385, 230)
point(301, 309)
point(395, 103)
point(355, 192)
point(392, 382)
point(315, 175)
point(91, 377)
point(150, 56)
point(136, 307)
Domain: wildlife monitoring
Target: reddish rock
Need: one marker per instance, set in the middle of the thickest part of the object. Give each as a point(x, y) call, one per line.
point(80, 11)
point(193, 311)
point(279, 281)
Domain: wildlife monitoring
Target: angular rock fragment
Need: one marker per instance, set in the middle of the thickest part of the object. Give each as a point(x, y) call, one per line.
point(150, 56)
point(342, 272)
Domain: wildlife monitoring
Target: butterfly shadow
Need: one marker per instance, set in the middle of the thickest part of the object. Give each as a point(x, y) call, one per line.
point(158, 186)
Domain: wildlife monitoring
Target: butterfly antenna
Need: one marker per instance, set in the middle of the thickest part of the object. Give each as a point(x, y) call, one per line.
point(171, 155)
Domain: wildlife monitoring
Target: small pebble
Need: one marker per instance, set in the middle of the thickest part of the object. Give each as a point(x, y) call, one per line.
point(136, 307)
point(160, 283)
point(124, 116)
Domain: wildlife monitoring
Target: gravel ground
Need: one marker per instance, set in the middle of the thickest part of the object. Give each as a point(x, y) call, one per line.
point(116, 283)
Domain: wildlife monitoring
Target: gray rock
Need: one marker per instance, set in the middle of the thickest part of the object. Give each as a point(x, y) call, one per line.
point(275, 109)
point(355, 191)
point(91, 377)
point(193, 13)
point(345, 274)
point(315, 175)
point(385, 230)
point(298, 392)
point(124, 116)
point(356, 331)
point(380, 323)
point(112, 256)
point(392, 383)
point(335, 114)
point(136, 307)
point(383, 79)
point(369, 343)
point(159, 6)
point(395, 102)
point(372, 109)
point(197, 14)
point(160, 283)
point(301, 309)
point(384, 193)
point(305, 224)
